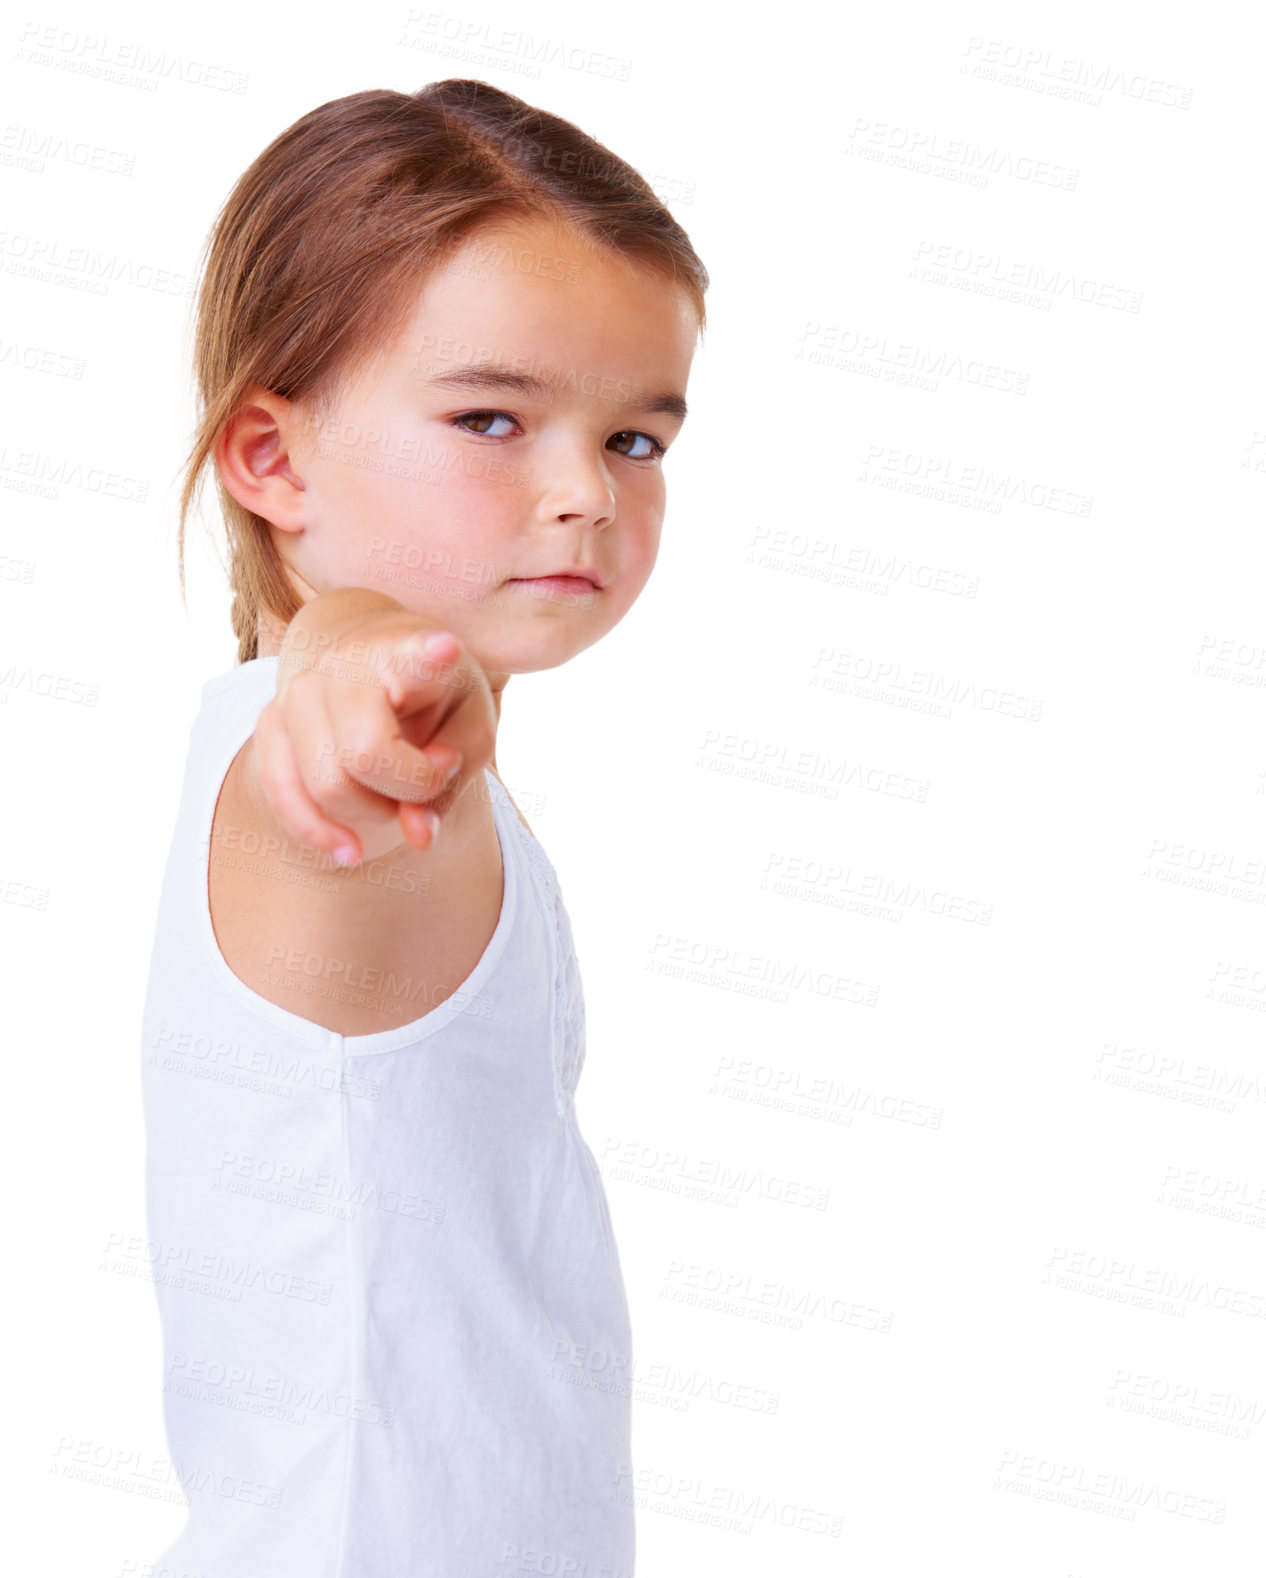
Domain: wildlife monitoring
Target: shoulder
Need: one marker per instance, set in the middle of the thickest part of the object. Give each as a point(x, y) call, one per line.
point(257, 677)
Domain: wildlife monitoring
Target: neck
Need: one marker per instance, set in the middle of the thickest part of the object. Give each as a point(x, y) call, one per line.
point(496, 684)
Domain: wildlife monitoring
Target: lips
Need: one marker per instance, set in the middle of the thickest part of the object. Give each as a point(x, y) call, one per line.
point(578, 580)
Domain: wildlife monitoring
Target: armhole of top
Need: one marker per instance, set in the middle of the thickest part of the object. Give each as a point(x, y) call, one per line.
point(394, 1038)
point(562, 982)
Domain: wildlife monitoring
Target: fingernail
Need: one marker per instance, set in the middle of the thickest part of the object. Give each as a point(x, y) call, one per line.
point(345, 854)
point(436, 643)
point(433, 822)
point(453, 771)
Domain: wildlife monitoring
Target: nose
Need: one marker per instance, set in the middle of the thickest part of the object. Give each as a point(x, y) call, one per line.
point(576, 487)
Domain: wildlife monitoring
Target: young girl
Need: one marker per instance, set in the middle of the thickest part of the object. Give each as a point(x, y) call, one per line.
point(443, 343)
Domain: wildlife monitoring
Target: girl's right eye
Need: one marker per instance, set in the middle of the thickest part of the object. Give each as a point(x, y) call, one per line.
point(460, 422)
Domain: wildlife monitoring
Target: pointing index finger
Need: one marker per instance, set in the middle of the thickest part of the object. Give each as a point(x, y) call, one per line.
point(430, 653)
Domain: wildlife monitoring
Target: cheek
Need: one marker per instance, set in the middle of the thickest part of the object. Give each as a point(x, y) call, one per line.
point(442, 529)
point(636, 561)
point(645, 538)
point(481, 489)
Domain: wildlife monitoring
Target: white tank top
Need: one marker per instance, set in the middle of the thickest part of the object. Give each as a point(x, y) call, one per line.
point(395, 1333)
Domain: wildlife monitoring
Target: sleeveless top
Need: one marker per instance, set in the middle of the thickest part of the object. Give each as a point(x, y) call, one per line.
point(396, 1341)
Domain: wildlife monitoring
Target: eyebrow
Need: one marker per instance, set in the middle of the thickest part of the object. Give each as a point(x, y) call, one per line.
point(492, 375)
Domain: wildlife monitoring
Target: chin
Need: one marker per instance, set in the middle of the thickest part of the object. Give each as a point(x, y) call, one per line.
point(537, 651)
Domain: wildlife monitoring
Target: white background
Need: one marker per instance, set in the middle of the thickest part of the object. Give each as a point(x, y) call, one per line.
point(956, 635)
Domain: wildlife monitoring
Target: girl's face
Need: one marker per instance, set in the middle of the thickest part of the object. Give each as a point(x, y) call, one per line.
point(512, 432)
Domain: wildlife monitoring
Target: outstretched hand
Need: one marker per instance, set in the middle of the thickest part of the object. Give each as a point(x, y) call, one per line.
point(371, 744)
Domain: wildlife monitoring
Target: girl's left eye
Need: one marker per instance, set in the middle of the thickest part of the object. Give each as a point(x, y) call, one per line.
point(478, 421)
point(656, 450)
point(481, 416)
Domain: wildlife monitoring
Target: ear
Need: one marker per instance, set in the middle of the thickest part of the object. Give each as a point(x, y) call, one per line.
point(252, 457)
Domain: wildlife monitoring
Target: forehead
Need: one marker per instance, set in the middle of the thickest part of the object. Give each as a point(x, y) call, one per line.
point(538, 289)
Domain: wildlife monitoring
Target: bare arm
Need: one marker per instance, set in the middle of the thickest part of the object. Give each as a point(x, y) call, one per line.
point(354, 748)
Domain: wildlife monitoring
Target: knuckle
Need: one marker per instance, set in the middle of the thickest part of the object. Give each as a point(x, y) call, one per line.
point(359, 744)
point(301, 683)
point(304, 831)
point(337, 797)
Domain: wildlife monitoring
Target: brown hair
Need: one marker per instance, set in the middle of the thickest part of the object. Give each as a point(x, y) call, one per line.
point(316, 257)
